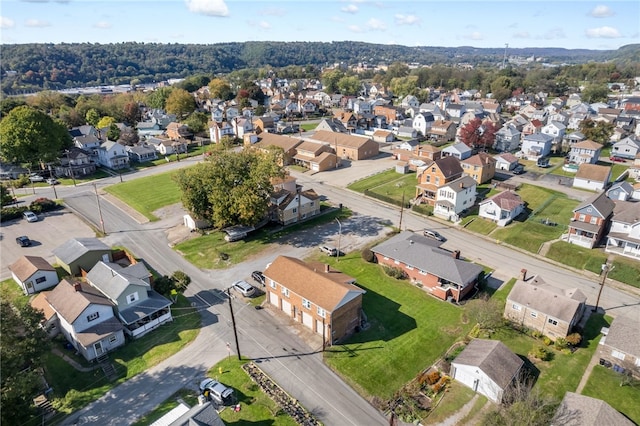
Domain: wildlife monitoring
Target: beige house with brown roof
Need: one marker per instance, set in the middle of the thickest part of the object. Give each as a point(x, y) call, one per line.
point(315, 156)
point(502, 208)
point(586, 151)
point(621, 343)
point(552, 311)
point(323, 300)
point(592, 177)
point(481, 167)
point(286, 143)
point(349, 147)
point(294, 206)
point(33, 274)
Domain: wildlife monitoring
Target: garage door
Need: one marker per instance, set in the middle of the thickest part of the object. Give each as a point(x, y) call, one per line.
point(318, 327)
point(286, 307)
point(307, 320)
point(466, 377)
point(273, 299)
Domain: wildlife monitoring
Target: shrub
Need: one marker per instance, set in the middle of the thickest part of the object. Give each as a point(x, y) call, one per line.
point(561, 343)
point(574, 339)
point(368, 255)
point(541, 353)
point(396, 273)
point(536, 334)
point(10, 213)
point(41, 205)
point(433, 377)
point(546, 341)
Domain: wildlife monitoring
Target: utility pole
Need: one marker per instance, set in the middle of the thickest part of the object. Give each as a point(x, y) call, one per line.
point(401, 212)
point(339, 236)
point(233, 321)
point(99, 209)
point(605, 271)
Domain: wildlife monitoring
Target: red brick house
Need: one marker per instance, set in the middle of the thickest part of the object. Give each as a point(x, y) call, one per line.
point(590, 220)
point(440, 272)
point(322, 299)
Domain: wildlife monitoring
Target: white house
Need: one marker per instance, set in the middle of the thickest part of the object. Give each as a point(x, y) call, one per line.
point(219, 130)
point(113, 155)
point(628, 147)
point(242, 126)
point(410, 101)
point(454, 197)
point(556, 130)
point(624, 235)
point(592, 177)
point(506, 161)
point(507, 138)
point(422, 122)
point(585, 152)
point(488, 367)
point(460, 151)
point(33, 274)
point(536, 145)
point(502, 208)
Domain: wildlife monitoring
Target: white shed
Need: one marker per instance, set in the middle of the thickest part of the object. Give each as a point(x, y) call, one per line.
point(33, 274)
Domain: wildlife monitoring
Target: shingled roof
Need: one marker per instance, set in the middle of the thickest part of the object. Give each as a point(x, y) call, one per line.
point(75, 248)
point(493, 358)
point(26, 266)
point(581, 410)
point(624, 335)
point(506, 200)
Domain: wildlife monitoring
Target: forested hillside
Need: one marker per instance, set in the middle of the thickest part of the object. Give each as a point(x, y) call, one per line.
point(56, 66)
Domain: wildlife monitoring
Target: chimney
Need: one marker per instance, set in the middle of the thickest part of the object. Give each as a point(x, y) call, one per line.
point(77, 287)
point(523, 274)
point(327, 268)
point(456, 254)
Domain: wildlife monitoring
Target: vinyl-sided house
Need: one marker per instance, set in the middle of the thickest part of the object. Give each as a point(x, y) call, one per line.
point(502, 208)
point(294, 206)
point(33, 274)
point(440, 272)
point(81, 254)
point(621, 343)
point(454, 197)
point(86, 319)
point(481, 167)
point(435, 174)
point(459, 150)
point(589, 220)
point(537, 305)
point(324, 300)
point(507, 138)
point(506, 161)
point(624, 235)
point(139, 307)
point(582, 410)
point(488, 367)
point(113, 155)
point(586, 151)
point(628, 147)
point(592, 177)
point(536, 145)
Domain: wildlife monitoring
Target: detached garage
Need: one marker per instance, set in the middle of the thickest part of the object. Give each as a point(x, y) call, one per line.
point(488, 367)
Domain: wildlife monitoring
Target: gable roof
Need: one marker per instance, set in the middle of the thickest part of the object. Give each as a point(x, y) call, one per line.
point(508, 157)
point(449, 166)
point(112, 279)
point(587, 144)
point(425, 254)
point(460, 184)
point(280, 141)
point(26, 266)
point(493, 358)
point(70, 300)
point(460, 147)
point(480, 159)
point(603, 204)
point(626, 212)
point(40, 303)
point(506, 200)
point(593, 172)
point(624, 335)
point(75, 248)
point(581, 410)
point(199, 415)
point(340, 139)
point(536, 294)
point(329, 290)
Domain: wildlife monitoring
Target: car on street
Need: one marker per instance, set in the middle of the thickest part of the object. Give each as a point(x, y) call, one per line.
point(616, 159)
point(433, 234)
point(518, 170)
point(30, 216)
point(244, 288)
point(23, 241)
point(331, 251)
point(34, 177)
point(258, 277)
point(52, 181)
point(217, 392)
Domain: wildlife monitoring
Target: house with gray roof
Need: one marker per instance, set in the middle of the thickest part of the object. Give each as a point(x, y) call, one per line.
point(488, 367)
point(620, 344)
point(201, 414)
point(582, 410)
point(537, 305)
point(628, 147)
point(139, 307)
point(81, 254)
point(590, 219)
point(141, 152)
point(620, 191)
point(440, 272)
point(459, 150)
point(624, 235)
point(507, 138)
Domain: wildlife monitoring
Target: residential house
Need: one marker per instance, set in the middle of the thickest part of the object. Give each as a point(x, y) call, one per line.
point(33, 274)
point(422, 122)
point(361, 106)
point(323, 300)
point(628, 147)
point(506, 161)
point(141, 152)
point(455, 111)
point(620, 191)
point(631, 104)
point(139, 307)
point(502, 208)
point(488, 367)
point(390, 112)
point(535, 146)
point(406, 132)
point(442, 131)
point(292, 206)
point(217, 115)
point(333, 125)
point(74, 163)
point(590, 219)
point(201, 414)
point(50, 321)
point(440, 272)
point(460, 150)
point(586, 151)
point(435, 174)
point(507, 138)
point(383, 136)
point(148, 128)
point(434, 110)
point(491, 106)
point(165, 146)
point(540, 306)
point(624, 236)
point(532, 127)
point(410, 101)
point(81, 254)
point(408, 145)
point(242, 126)
point(481, 167)
point(592, 177)
point(113, 155)
point(177, 131)
point(348, 119)
point(621, 344)
point(315, 156)
point(582, 410)
point(217, 131)
point(285, 143)
point(419, 156)
point(230, 113)
point(572, 138)
point(455, 197)
point(85, 318)
point(349, 147)
point(264, 124)
point(87, 138)
point(12, 171)
point(556, 130)
point(308, 106)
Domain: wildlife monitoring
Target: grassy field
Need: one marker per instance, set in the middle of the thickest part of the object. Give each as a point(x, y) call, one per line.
point(376, 180)
point(398, 189)
point(452, 401)
point(404, 320)
point(604, 384)
point(139, 195)
point(528, 235)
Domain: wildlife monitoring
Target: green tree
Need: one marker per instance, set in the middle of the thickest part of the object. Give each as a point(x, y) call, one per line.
point(330, 80)
point(349, 85)
point(595, 93)
point(158, 98)
point(93, 117)
point(230, 188)
point(22, 345)
point(113, 134)
point(220, 89)
point(501, 88)
point(30, 136)
point(197, 122)
point(9, 103)
point(403, 86)
point(523, 406)
point(181, 103)
point(486, 312)
point(105, 122)
point(181, 280)
point(597, 131)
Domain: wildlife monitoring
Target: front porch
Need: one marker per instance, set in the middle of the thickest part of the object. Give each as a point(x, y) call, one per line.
point(148, 323)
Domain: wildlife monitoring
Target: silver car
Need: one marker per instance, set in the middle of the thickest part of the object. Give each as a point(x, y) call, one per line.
point(244, 288)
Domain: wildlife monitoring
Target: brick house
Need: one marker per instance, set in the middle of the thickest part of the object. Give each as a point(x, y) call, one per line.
point(589, 220)
point(434, 175)
point(286, 143)
point(537, 305)
point(442, 131)
point(349, 146)
point(440, 272)
point(322, 299)
point(481, 167)
point(620, 344)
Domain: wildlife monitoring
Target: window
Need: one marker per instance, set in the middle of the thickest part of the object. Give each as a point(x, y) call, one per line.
point(41, 280)
point(617, 354)
point(321, 312)
point(273, 283)
point(423, 272)
point(594, 220)
point(516, 307)
point(534, 314)
point(113, 338)
point(295, 210)
point(132, 297)
point(581, 218)
point(306, 303)
point(410, 268)
point(285, 291)
point(552, 321)
point(93, 316)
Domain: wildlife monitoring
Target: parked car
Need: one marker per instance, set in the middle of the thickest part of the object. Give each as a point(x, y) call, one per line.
point(23, 241)
point(36, 178)
point(217, 392)
point(258, 276)
point(52, 181)
point(542, 162)
point(331, 251)
point(244, 288)
point(616, 159)
point(433, 234)
point(518, 170)
point(30, 216)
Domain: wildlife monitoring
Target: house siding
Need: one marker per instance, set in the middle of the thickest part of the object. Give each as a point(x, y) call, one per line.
point(537, 320)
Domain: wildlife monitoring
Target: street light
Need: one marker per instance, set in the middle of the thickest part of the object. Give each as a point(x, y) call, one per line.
point(233, 321)
point(339, 235)
point(606, 268)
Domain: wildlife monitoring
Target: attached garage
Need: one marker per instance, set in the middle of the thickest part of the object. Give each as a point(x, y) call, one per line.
point(307, 320)
point(318, 326)
point(274, 300)
point(286, 307)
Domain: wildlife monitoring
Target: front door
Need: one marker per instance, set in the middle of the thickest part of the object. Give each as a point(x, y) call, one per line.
point(98, 348)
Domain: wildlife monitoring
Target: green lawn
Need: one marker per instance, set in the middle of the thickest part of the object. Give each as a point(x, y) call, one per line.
point(576, 256)
point(604, 384)
point(480, 225)
point(452, 401)
point(617, 169)
point(376, 180)
point(308, 126)
point(148, 194)
point(404, 324)
point(528, 236)
point(626, 270)
point(403, 187)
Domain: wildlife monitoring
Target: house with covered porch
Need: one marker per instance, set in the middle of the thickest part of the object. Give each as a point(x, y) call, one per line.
point(624, 235)
point(590, 220)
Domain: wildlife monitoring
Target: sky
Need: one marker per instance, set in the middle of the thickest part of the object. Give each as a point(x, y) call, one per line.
point(571, 24)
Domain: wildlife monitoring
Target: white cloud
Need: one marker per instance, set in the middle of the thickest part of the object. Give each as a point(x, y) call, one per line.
point(6, 23)
point(36, 23)
point(603, 32)
point(354, 28)
point(264, 25)
point(406, 19)
point(521, 34)
point(374, 24)
point(208, 7)
point(601, 12)
point(352, 8)
point(103, 25)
